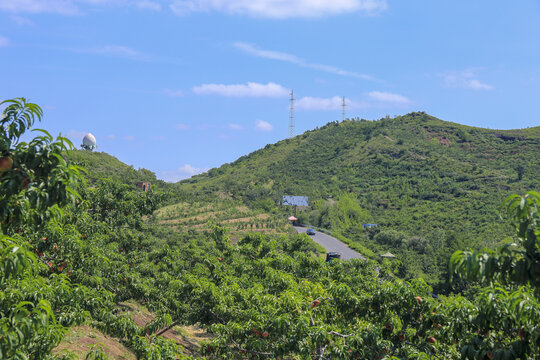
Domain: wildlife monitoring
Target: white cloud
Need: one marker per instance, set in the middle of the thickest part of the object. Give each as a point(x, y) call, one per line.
point(148, 5)
point(318, 103)
point(279, 9)
point(62, 7)
point(371, 100)
point(173, 93)
point(129, 138)
point(181, 127)
point(115, 51)
point(477, 85)
point(183, 172)
point(236, 127)
point(269, 54)
point(465, 79)
point(262, 125)
point(293, 59)
point(111, 136)
point(387, 97)
point(251, 89)
point(4, 41)
point(190, 170)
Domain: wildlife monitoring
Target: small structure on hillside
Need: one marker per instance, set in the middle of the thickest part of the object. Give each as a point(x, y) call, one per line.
point(388, 255)
point(289, 200)
point(367, 226)
point(143, 185)
point(89, 142)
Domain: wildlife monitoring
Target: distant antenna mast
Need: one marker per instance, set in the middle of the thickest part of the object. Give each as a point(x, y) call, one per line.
point(291, 117)
point(343, 109)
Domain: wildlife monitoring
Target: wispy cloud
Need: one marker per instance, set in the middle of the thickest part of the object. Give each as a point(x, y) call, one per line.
point(76, 136)
point(465, 79)
point(115, 51)
point(129, 138)
point(123, 52)
point(236, 127)
point(293, 59)
point(148, 5)
point(387, 97)
point(110, 137)
point(173, 93)
point(251, 89)
point(280, 9)
point(261, 125)
point(4, 41)
point(70, 7)
point(62, 7)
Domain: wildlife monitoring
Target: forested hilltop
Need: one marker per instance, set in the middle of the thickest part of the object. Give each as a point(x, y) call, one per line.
point(431, 186)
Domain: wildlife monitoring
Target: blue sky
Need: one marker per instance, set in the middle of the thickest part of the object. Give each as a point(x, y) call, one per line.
point(181, 86)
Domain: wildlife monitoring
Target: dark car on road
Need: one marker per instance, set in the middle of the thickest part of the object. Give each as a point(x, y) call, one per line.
point(332, 255)
point(310, 231)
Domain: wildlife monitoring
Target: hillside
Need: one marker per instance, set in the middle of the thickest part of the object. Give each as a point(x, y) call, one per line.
point(415, 174)
point(101, 165)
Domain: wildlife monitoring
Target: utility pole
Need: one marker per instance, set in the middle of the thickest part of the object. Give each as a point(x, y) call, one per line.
point(343, 109)
point(291, 117)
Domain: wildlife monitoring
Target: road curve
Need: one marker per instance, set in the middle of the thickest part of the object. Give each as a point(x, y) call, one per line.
point(332, 244)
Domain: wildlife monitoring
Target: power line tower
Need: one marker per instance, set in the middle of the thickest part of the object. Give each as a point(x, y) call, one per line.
point(343, 109)
point(291, 117)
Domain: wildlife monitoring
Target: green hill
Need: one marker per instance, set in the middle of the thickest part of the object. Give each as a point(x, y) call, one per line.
point(100, 165)
point(435, 182)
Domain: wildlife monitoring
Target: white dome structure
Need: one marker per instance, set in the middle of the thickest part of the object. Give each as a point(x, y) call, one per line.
point(89, 142)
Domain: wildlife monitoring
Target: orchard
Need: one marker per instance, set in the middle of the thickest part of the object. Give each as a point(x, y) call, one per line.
point(71, 252)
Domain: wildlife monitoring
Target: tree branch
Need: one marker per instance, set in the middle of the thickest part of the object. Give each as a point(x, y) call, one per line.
point(340, 335)
point(168, 328)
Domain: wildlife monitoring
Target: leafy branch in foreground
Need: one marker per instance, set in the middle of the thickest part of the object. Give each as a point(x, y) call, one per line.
point(517, 262)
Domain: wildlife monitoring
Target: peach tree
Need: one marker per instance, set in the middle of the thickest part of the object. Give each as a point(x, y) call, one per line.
point(508, 310)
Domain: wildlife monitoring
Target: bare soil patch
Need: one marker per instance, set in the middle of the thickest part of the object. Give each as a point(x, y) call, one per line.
point(80, 339)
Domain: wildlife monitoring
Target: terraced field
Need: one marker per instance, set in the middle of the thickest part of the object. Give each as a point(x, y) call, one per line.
point(236, 217)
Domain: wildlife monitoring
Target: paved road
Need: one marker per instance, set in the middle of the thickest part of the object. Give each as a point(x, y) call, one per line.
point(332, 244)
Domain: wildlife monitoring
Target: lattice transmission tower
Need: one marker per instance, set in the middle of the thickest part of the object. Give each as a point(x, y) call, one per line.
point(291, 117)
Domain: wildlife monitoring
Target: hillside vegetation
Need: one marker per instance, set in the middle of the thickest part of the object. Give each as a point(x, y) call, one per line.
point(101, 165)
point(431, 186)
point(85, 273)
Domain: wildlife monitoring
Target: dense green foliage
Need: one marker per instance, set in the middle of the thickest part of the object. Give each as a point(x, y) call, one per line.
point(437, 183)
point(263, 297)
